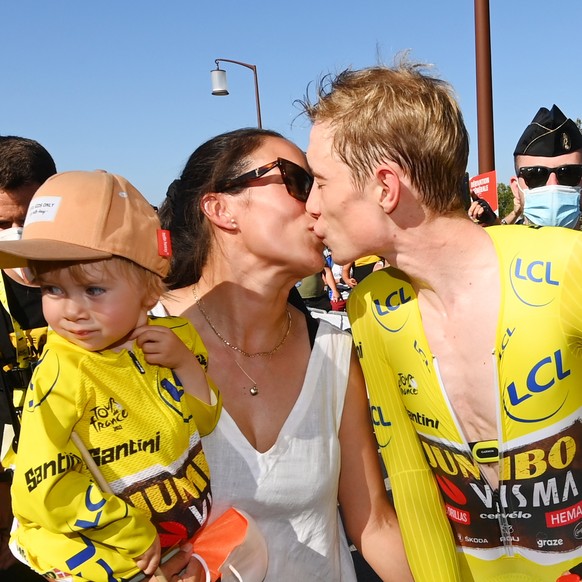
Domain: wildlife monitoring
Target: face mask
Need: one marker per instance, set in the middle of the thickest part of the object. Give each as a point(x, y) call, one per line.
point(15, 233)
point(554, 205)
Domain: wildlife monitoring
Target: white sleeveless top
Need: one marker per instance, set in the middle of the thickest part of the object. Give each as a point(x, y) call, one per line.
point(291, 489)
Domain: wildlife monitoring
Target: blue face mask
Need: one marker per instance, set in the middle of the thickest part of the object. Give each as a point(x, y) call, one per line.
point(554, 205)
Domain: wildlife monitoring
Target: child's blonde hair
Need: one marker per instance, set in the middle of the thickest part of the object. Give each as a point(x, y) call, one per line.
point(145, 280)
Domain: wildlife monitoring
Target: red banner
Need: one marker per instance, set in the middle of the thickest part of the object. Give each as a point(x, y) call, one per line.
point(485, 186)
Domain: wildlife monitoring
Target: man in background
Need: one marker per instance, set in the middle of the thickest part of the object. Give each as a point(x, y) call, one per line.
point(24, 166)
point(548, 167)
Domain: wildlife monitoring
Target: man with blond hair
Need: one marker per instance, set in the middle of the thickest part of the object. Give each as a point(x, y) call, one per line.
point(477, 414)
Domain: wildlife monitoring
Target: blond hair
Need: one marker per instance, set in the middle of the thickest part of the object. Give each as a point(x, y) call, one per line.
point(145, 280)
point(398, 114)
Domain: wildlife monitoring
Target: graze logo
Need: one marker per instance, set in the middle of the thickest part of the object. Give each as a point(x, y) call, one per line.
point(389, 306)
point(407, 384)
point(533, 282)
point(544, 542)
point(109, 415)
point(545, 374)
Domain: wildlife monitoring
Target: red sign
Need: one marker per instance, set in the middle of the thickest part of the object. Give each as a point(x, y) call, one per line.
point(485, 186)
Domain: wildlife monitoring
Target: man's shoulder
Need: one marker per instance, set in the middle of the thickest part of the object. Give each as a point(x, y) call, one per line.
point(522, 232)
point(381, 281)
point(382, 293)
point(534, 243)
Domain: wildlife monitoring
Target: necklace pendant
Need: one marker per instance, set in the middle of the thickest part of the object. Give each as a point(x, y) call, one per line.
point(254, 390)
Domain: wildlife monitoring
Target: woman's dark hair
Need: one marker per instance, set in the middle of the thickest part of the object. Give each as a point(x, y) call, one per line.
point(221, 158)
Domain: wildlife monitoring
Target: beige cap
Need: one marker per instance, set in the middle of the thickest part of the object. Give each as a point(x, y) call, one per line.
point(78, 216)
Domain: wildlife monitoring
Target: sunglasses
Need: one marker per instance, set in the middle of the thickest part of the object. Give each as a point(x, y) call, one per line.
point(297, 180)
point(537, 176)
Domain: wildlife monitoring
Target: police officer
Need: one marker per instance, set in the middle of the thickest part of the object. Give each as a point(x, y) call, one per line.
point(548, 167)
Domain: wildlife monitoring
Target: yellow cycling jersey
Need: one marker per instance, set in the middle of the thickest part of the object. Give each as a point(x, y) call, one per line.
point(143, 433)
point(530, 527)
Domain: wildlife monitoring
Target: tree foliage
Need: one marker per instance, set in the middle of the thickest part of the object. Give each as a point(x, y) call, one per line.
point(505, 199)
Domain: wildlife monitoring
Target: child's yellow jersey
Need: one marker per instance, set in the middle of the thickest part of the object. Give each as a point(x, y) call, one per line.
point(530, 528)
point(143, 433)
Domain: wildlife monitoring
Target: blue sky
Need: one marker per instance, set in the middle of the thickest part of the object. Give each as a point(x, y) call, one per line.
point(124, 85)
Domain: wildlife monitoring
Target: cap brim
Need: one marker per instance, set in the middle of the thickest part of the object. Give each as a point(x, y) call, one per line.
point(17, 253)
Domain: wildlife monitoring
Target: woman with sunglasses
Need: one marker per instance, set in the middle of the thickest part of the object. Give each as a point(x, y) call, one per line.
point(294, 441)
point(548, 167)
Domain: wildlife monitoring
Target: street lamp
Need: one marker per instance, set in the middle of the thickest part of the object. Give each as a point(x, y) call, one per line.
point(219, 86)
point(485, 143)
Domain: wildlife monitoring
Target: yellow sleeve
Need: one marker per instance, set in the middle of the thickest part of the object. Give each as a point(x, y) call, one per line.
point(426, 532)
point(206, 415)
point(52, 489)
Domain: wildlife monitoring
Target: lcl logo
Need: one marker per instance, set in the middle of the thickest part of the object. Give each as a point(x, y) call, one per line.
point(545, 374)
point(533, 282)
point(389, 307)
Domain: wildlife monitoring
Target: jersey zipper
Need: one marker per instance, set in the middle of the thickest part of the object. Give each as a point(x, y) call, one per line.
point(136, 362)
point(505, 528)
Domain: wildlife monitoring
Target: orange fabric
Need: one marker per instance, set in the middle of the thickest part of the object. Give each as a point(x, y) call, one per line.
point(217, 540)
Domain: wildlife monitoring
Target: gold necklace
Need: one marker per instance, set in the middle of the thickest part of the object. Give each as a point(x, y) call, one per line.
point(253, 390)
point(236, 348)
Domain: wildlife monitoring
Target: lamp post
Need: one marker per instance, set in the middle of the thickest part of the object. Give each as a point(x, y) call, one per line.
point(219, 85)
point(484, 90)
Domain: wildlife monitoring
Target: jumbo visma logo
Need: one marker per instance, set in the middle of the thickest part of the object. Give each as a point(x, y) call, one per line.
point(541, 394)
point(533, 282)
point(387, 310)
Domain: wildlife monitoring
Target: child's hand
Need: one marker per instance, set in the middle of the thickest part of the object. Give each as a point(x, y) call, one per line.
point(161, 346)
point(149, 560)
point(182, 567)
